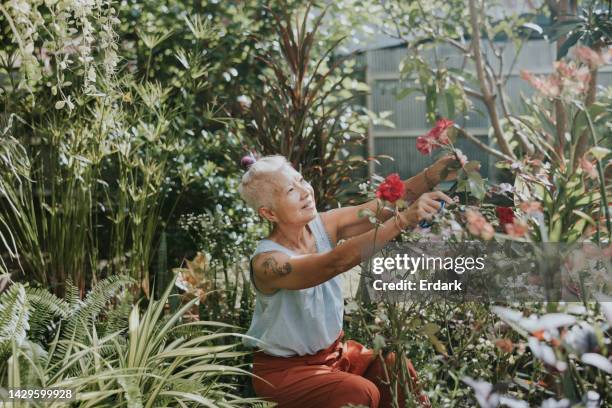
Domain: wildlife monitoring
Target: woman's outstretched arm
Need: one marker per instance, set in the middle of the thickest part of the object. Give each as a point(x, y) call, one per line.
point(343, 223)
point(277, 270)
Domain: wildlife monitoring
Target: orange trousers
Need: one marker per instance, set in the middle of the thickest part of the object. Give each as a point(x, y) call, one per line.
point(342, 374)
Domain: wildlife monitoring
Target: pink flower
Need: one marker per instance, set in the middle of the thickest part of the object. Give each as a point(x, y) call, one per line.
point(526, 75)
point(478, 225)
point(443, 138)
point(531, 207)
point(392, 189)
point(589, 57)
point(517, 229)
point(566, 70)
point(437, 136)
point(582, 75)
point(439, 131)
point(550, 86)
point(461, 157)
point(588, 167)
point(425, 144)
point(487, 232)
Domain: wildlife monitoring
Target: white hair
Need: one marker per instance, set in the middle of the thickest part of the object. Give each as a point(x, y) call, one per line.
point(258, 183)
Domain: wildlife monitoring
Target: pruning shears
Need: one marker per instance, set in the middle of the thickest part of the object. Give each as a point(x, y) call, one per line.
point(426, 223)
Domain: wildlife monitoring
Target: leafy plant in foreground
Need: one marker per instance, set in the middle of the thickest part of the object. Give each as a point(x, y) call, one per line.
point(156, 360)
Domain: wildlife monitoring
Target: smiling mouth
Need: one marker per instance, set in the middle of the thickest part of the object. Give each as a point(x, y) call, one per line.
point(309, 205)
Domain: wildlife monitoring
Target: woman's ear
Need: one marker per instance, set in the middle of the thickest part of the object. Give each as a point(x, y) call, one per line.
point(267, 214)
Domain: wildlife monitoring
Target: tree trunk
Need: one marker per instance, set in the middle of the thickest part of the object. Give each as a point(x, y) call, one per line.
point(583, 142)
point(560, 13)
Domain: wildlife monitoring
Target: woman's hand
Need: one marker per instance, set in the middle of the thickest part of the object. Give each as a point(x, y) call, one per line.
point(447, 164)
point(424, 208)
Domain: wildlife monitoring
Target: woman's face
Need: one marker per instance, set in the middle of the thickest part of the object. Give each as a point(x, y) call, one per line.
point(294, 198)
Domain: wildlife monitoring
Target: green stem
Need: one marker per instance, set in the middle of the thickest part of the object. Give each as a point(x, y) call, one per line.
point(600, 171)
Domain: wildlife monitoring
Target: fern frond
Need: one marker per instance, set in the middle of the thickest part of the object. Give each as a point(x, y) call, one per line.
point(117, 317)
point(46, 307)
point(13, 319)
point(14, 314)
point(72, 294)
point(82, 315)
point(94, 304)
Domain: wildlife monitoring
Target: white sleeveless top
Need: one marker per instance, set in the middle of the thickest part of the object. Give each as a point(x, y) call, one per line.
point(297, 322)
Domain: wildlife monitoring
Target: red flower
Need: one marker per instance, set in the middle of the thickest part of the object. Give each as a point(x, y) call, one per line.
point(505, 215)
point(438, 132)
point(392, 189)
point(437, 136)
point(425, 144)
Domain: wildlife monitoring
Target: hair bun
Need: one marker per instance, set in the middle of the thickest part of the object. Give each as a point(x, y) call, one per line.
point(247, 161)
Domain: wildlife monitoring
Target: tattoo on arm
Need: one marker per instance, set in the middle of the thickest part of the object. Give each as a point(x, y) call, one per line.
point(272, 267)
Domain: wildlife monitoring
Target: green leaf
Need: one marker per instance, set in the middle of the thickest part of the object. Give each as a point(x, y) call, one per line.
point(379, 342)
point(584, 216)
point(190, 397)
point(562, 28)
point(569, 43)
point(431, 102)
point(472, 165)
point(450, 104)
point(534, 27)
point(438, 345)
point(600, 152)
point(462, 74)
point(431, 329)
point(476, 185)
point(405, 92)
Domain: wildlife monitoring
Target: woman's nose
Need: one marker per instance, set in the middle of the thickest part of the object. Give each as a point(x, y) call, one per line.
point(304, 192)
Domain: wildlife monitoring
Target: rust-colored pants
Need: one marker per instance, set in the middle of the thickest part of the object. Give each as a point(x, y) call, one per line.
point(344, 373)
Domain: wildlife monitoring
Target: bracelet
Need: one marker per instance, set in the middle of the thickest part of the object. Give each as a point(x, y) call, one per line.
point(430, 185)
point(398, 223)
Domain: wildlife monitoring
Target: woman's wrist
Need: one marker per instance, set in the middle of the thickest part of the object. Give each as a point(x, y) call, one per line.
point(400, 222)
point(429, 180)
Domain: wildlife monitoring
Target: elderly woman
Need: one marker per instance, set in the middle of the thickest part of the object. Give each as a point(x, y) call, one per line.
point(296, 271)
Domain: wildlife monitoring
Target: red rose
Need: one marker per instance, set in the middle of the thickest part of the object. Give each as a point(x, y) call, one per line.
point(505, 215)
point(392, 189)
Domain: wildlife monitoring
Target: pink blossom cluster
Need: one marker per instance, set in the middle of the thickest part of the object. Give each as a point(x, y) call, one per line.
point(570, 79)
point(478, 225)
point(592, 58)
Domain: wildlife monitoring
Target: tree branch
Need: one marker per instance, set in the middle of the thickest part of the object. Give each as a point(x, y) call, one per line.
point(485, 147)
point(489, 99)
